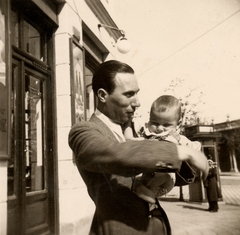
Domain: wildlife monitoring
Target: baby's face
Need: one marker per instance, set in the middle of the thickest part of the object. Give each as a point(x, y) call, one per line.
point(163, 121)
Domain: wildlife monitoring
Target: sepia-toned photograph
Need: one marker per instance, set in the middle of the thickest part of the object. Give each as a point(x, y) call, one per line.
point(119, 117)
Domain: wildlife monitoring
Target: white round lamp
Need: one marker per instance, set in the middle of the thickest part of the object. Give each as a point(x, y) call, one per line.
point(123, 45)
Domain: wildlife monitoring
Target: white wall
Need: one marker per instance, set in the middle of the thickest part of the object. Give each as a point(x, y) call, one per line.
point(75, 206)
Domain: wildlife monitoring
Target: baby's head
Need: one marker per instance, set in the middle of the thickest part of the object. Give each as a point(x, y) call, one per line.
point(165, 114)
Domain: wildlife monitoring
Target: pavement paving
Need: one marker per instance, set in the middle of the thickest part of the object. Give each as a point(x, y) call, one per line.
point(192, 218)
point(187, 218)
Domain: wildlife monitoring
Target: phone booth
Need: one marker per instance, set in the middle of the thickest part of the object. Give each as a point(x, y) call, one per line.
point(208, 138)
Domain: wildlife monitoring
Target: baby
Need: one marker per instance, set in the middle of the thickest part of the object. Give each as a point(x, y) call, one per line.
point(164, 124)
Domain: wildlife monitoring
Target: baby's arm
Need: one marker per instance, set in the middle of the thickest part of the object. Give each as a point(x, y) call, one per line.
point(128, 132)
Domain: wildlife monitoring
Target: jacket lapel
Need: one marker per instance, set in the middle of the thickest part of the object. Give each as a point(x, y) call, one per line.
point(104, 128)
point(123, 181)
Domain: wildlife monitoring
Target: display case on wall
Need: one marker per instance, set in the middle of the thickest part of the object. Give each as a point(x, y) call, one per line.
point(77, 82)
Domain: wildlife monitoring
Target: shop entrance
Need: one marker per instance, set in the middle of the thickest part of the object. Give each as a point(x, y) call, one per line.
point(28, 169)
point(31, 203)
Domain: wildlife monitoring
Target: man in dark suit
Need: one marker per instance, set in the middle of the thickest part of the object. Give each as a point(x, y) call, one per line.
point(108, 164)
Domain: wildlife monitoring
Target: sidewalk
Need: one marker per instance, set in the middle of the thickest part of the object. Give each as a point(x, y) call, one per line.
point(192, 218)
point(230, 186)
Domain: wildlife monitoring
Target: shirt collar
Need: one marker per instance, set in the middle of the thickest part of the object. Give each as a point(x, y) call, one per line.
point(115, 128)
point(163, 135)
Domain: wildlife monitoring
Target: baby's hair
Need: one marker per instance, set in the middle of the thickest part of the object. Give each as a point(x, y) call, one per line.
point(166, 102)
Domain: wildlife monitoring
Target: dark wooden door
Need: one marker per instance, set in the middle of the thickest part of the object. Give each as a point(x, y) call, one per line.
point(29, 208)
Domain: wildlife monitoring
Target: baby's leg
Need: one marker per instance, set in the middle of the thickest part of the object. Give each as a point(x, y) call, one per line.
point(142, 191)
point(169, 183)
point(161, 183)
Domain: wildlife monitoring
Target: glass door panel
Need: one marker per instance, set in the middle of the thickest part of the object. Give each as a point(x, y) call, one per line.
point(37, 201)
point(12, 159)
point(34, 134)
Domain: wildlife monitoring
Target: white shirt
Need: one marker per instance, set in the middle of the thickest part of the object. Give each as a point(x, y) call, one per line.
point(115, 128)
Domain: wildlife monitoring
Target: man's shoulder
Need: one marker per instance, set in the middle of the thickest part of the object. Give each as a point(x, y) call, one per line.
point(83, 124)
point(92, 123)
point(91, 126)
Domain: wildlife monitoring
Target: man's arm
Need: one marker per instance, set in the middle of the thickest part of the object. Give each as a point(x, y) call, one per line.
point(194, 158)
point(96, 152)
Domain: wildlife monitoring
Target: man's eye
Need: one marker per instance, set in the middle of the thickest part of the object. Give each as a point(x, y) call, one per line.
point(129, 94)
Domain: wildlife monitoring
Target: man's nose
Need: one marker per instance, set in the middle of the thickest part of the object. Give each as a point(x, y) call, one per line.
point(136, 102)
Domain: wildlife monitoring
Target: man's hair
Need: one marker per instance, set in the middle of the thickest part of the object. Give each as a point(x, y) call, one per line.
point(104, 76)
point(166, 102)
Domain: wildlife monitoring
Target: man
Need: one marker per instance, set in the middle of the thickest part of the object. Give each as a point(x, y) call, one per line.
point(108, 164)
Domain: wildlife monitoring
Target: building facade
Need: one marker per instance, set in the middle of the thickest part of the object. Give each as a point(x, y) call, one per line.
point(49, 51)
point(229, 145)
point(224, 141)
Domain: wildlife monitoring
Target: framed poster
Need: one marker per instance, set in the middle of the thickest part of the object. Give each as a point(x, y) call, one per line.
point(77, 82)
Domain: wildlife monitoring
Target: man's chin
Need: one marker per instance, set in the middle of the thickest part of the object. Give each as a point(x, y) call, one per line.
point(130, 116)
point(125, 121)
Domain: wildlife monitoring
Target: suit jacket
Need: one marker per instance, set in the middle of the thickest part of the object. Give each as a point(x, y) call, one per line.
point(107, 167)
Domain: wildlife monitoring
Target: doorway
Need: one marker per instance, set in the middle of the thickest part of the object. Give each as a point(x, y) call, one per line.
point(32, 198)
point(29, 208)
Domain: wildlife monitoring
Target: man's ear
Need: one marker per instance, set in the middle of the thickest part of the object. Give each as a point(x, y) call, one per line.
point(102, 95)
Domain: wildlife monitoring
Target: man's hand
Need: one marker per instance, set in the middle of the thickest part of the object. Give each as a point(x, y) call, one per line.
point(194, 158)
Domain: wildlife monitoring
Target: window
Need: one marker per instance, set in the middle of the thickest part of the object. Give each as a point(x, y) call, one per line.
point(28, 36)
point(31, 40)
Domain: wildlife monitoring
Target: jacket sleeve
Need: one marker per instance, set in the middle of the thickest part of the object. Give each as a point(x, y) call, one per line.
point(95, 152)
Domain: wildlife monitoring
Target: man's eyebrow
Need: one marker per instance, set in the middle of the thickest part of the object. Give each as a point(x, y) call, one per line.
point(131, 91)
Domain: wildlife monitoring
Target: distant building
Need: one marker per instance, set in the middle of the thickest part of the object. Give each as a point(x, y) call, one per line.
point(224, 138)
point(220, 142)
point(229, 145)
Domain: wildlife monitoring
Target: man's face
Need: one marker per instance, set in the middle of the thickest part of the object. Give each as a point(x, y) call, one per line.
point(122, 103)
